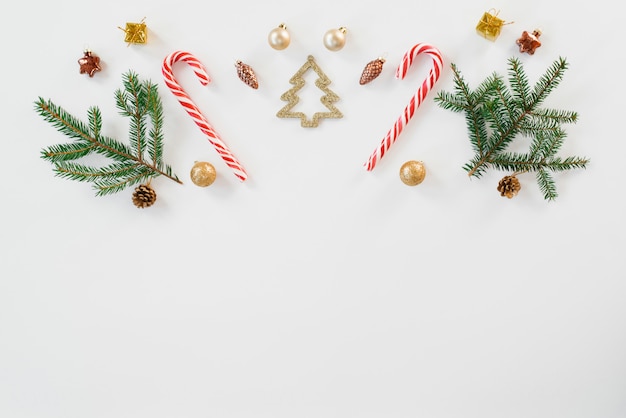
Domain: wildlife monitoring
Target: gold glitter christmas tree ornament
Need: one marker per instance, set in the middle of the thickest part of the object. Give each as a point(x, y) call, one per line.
point(291, 96)
point(136, 33)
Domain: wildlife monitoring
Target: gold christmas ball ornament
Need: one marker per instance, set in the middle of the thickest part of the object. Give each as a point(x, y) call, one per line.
point(412, 173)
point(203, 174)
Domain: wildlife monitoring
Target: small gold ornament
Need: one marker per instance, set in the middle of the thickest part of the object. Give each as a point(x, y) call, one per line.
point(509, 186)
point(144, 196)
point(203, 174)
point(412, 173)
point(136, 33)
point(372, 70)
point(490, 24)
point(246, 74)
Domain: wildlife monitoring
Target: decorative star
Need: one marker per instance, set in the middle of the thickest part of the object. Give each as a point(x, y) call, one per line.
point(89, 64)
point(529, 41)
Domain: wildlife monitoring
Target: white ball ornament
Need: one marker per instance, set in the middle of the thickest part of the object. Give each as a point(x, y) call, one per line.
point(279, 38)
point(335, 39)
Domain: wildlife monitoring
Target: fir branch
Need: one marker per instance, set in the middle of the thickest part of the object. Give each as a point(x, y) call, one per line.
point(61, 120)
point(554, 115)
point(95, 121)
point(66, 152)
point(519, 83)
point(497, 114)
point(452, 102)
point(155, 112)
point(548, 82)
point(474, 118)
point(109, 186)
point(546, 185)
point(129, 166)
point(81, 172)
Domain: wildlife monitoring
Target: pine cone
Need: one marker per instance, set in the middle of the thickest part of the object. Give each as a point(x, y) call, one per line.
point(372, 70)
point(144, 196)
point(246, 74)
point(509, 186)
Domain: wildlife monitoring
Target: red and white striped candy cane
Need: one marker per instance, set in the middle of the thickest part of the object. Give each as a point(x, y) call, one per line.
point(194, 111)
point(416, 100)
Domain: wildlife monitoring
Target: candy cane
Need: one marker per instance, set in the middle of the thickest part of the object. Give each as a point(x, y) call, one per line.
point(416, 100)
point(194, 111)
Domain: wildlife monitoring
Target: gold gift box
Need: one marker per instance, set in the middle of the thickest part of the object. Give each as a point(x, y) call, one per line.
point(136, 33)
point(489, 26)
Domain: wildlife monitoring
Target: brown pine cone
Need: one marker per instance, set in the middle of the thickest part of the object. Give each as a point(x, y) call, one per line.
point(246, 74)
point(509, 186)
point(144, 196)
point(372, 70)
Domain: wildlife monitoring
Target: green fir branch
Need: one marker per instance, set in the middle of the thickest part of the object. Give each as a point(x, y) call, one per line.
point(519, 84)
point(85, 173)
point(106, 186)
point(138, 101)
point(95, 121)
point(497, 115)
point(67, 152)
point(155, 112)
point(63, 121)
point(548, 81)
point(546, 185)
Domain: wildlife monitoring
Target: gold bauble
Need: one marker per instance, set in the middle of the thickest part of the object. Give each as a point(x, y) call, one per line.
point(203, 174)
point(412, 173)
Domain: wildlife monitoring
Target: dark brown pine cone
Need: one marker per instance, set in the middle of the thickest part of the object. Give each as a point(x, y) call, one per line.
point(144, 196)
point(509, 186)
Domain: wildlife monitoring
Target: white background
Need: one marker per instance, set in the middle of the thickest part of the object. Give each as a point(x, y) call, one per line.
point(315, 288)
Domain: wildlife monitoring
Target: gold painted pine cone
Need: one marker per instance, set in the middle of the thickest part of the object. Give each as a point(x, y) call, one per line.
point(246, 74)
point(372, 70)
